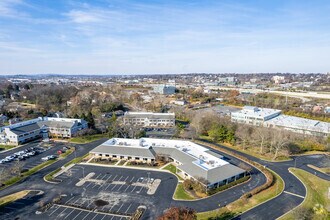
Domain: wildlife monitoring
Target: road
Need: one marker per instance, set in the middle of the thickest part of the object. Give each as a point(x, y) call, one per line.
point(294, 190)
point(292, 196)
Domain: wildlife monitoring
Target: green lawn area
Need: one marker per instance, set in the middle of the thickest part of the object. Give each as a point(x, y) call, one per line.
point(88, 138)
point(13, 197)
point(6, 147)
point(240, 205)
point(180, 193)
point(172, 169)
point(317, 190)
point(250, 151)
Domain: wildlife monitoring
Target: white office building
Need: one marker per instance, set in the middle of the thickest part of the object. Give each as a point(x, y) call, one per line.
point(149, 119)
point(192, 160)
point(273, 118)
point(26, 131)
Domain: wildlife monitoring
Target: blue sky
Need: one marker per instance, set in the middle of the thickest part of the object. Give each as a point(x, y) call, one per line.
point(153, 36)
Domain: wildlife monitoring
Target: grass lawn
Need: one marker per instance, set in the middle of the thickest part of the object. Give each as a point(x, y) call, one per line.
point(250, 150)
point(172, 169)
point(88, 138)
point(180, 193)
point(325, 170)
point(317, 190)
point(6, 147)
point(240, 205)
point(13, 197)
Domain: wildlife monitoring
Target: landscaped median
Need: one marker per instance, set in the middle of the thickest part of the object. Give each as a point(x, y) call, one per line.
point(13, 197)
point(316, 204)
point(273, 187)
point(6, 147)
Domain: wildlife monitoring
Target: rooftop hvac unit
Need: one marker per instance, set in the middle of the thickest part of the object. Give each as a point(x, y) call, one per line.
point(184, 149)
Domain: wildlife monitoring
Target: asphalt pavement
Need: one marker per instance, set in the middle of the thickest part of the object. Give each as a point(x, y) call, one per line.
point(292, 196)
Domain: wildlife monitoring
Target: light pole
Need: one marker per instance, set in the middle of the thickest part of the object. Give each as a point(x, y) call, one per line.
point(295, 162)
point(148, 179)
point(83, 169)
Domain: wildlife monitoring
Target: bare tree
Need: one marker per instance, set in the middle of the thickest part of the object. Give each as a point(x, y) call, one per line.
point(244, 133)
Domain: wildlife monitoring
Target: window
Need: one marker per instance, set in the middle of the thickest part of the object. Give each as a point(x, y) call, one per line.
point(137, 158)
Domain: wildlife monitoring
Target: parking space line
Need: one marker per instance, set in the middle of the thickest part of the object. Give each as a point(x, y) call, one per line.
point(120, 207)
point(95, 216)
point(69, 200)
point(86, 215)
point(103, 217)
point(116, 184)
point(69, 214)
point(101, 180)
point(110, 183)
point(122, 184)
point(133, 188)
point(62, 211)
point(105, 182)
point(77, 215)
point(54, 210)
point(128, 208)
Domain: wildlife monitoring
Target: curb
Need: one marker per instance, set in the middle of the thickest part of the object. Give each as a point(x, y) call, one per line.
point(302, 201)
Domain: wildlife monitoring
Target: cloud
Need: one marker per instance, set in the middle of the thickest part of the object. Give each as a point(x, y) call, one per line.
point(82, 17)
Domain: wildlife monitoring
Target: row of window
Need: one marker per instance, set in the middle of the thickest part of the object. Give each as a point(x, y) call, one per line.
point(123, 157)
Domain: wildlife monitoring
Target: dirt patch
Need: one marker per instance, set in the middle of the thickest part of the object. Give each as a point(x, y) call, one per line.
point(101, 202)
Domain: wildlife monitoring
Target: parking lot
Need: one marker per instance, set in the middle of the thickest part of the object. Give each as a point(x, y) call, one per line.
point(41, 149)
point(110, 193)
point(18, 207)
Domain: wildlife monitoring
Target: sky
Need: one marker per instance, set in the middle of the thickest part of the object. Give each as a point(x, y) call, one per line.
point(168, 36)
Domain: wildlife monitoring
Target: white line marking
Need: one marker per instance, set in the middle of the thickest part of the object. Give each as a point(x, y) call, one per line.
point(128, 208)
point(120, 207)
point(122, 184)
point(69, 200)
point(105, 182)
point(77, 215)
point(94, 216)
point(86, 215)
point(111, 184)
point(294, 194)
point(54, 210)
point(69, 214)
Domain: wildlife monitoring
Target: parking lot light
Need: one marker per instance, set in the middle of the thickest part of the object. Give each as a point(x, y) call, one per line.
point(83, 169)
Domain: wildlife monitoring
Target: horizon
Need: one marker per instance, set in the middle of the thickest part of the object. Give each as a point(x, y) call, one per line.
point(134, 37)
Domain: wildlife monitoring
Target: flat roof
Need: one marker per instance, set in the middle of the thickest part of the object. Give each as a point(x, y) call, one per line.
point(257, 112)
point(196, 152)
point(196, 160)
point(300, 123)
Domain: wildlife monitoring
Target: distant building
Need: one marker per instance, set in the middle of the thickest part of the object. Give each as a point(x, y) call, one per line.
point(149, 119)
point(227, 80)
point(193, 161)
point(179, 102)
point(165, 89)
point(279, 79)
point(254, 115)
point(327, 109)
point(26, 131)
point(273, 118)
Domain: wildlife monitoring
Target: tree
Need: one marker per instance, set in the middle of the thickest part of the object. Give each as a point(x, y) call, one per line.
point(178, 213)
point(90, 120)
